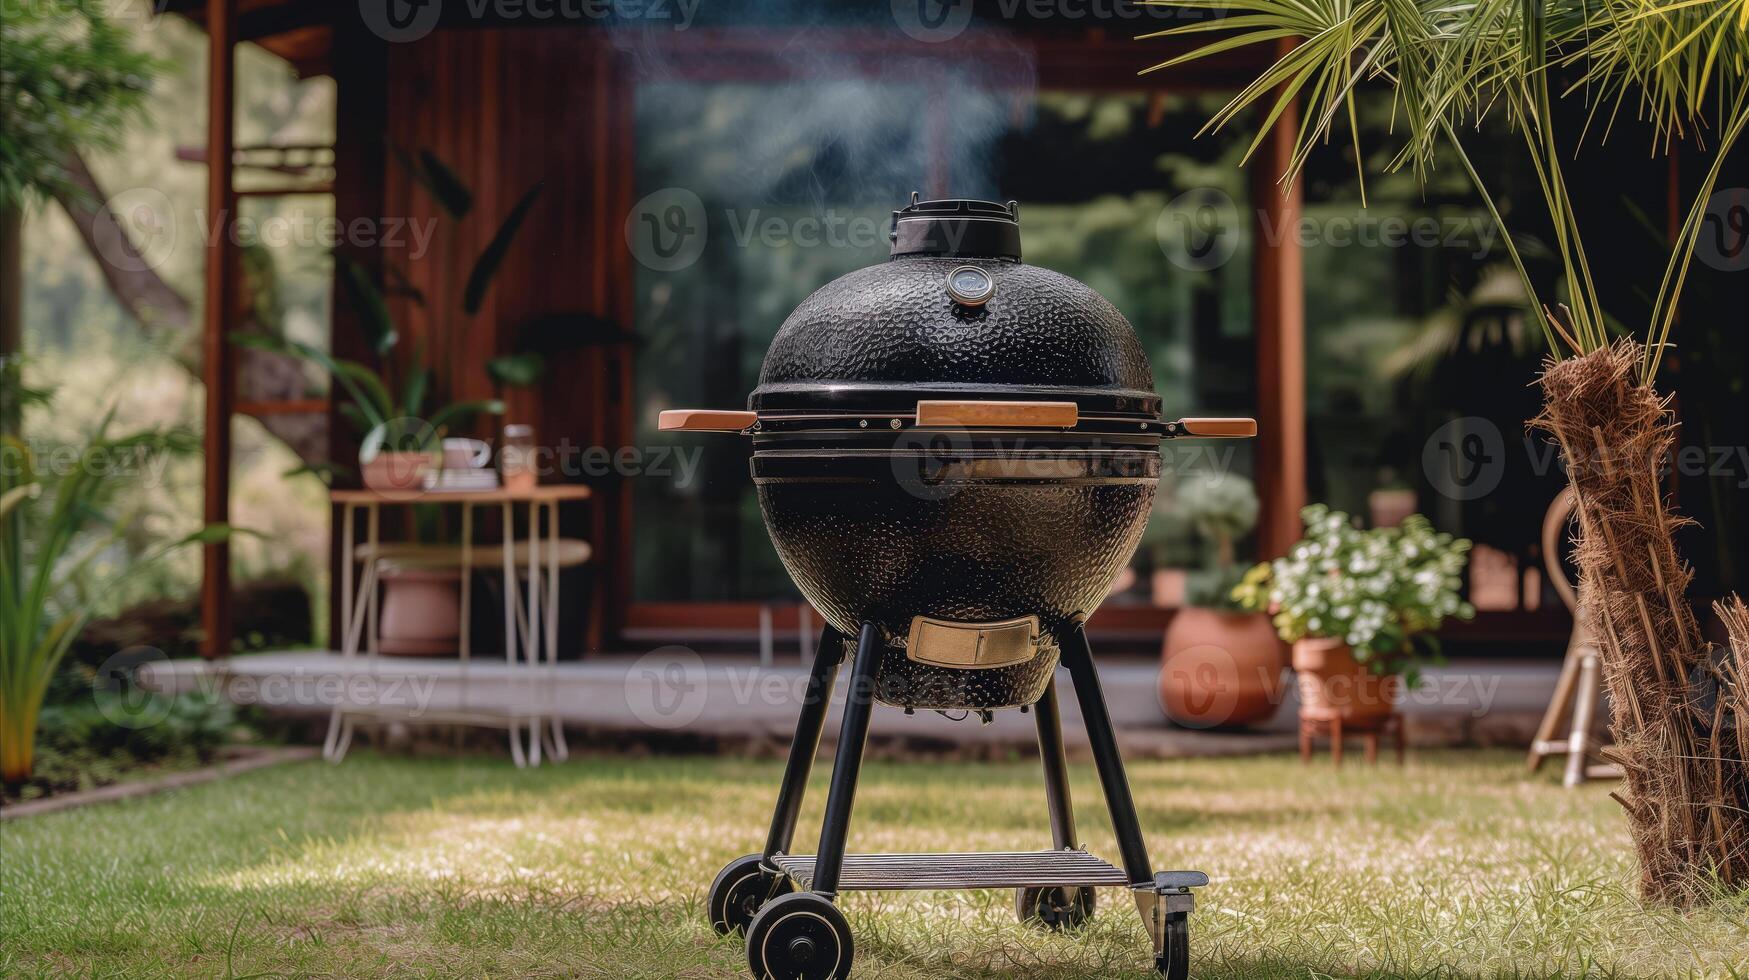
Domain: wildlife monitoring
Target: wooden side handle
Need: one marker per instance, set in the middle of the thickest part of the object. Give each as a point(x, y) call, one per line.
point(1219, 428)
point(1019, 415)
point(705, 420)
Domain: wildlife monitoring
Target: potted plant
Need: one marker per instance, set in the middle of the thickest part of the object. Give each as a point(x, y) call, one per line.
point(1220, 664)
point(1360, 607)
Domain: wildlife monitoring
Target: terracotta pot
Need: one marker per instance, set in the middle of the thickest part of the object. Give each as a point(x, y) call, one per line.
point(1220, 668)
point(1388, 508)
point(1331, 681)
point(421, 614)
point(397, 472)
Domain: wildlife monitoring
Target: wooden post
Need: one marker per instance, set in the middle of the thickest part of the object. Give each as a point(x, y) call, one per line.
point(1279, 282)
point(361, 71)
point(221, 295)
point(11, 279)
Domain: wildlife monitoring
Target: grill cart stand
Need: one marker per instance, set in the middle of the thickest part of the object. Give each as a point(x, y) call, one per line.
point(784, 901)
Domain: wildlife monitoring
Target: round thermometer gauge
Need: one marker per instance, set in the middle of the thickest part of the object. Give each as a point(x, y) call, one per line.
point(969, 285)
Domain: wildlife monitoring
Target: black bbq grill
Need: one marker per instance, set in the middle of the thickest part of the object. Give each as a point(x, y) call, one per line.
point(955, 454)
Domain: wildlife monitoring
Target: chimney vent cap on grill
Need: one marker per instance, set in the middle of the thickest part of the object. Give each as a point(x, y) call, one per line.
point(957, 227)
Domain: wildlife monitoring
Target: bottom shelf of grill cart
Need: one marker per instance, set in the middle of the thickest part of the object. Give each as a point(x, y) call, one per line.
point(918, 872)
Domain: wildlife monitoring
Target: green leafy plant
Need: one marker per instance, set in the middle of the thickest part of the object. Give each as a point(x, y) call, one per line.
point(1381, 591)
point(54, 528)
point(1683, 64)
point(70, 80)
point(1223, 508)
point(389, 406)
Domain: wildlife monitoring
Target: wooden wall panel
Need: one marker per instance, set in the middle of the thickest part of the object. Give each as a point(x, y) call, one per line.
point(507, 109)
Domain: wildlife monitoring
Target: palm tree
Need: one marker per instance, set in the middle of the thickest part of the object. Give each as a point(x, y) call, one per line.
point(1682, 65)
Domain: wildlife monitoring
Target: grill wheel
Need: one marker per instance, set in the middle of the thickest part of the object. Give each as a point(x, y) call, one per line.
point(801, 936)
point(740, 890)
point(1174, 963)
point(1057, 909)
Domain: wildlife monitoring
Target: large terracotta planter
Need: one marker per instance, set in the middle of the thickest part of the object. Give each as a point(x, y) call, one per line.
point(421, 613)
point(1220, 669)
point(397, 472)
point(1332, 682)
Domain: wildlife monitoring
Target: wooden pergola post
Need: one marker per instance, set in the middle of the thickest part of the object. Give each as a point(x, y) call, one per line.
point(220, 300)
point(1279, 278)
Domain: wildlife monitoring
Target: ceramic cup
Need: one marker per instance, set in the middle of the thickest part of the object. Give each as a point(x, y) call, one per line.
point(466, 454)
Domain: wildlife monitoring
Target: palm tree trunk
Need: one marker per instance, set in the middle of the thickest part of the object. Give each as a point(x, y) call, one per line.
point(1680, 791)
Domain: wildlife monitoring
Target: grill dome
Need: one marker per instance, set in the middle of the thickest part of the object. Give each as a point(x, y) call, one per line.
point(874, 338)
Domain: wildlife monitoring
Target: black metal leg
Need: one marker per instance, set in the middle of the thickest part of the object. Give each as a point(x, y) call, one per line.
point(1056, 764)
point(1078, 656)
point(858, 706)
point(806, 744)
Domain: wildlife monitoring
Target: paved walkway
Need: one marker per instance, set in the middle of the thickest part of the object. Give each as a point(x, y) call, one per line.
point(677, 694)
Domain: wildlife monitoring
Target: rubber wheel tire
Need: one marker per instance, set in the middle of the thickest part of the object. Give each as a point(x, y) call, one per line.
point(1056, 909)
point(800, 936)
point(740, 890)
point(1174, 963)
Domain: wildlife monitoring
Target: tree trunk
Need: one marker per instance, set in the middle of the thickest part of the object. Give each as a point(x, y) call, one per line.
point(1682, 777)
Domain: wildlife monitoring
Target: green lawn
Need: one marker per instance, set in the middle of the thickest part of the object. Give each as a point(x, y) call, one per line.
point(1459, 866)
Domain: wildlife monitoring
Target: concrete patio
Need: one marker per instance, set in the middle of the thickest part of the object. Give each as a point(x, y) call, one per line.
point(674, 696)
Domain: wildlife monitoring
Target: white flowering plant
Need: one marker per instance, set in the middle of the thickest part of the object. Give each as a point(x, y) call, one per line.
point(1381, 591)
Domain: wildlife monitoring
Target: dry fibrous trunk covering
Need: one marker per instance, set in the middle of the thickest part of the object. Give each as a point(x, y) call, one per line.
point(1676, 704)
